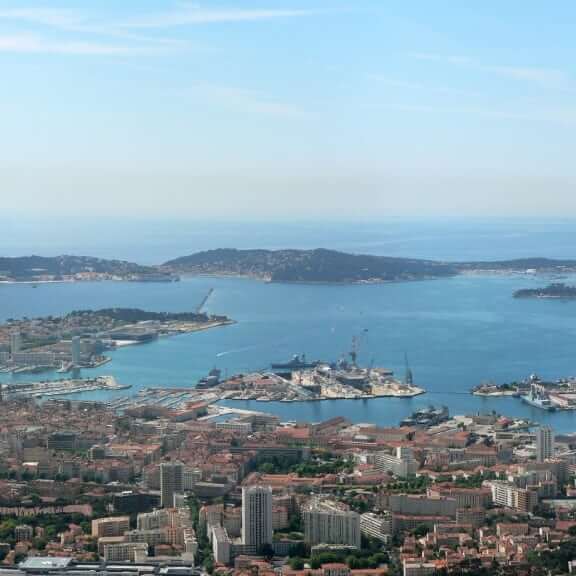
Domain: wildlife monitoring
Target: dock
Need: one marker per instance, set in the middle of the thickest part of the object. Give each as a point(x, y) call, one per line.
point(62, 387)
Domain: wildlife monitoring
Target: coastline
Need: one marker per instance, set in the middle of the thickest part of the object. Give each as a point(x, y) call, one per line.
point(371, 282)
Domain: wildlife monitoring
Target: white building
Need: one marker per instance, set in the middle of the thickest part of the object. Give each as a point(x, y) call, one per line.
point(510, 496)
point(125, 551)
point(256, 515)
point(401, 464)
point(326, 523)
point(220, 545)
point(419, 568)
point(377, 526)
point(15, 342)
point(76, 350)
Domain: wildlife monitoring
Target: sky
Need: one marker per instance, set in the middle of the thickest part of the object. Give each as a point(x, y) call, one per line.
point(283, 109)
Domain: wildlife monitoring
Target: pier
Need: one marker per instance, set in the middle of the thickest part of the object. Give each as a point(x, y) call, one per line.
point(50, 388)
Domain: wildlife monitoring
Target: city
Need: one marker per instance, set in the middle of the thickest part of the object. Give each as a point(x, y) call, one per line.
point(287, 288)
point(84, 487)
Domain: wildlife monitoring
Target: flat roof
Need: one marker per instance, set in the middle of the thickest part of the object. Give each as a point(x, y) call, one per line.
point(44, 562)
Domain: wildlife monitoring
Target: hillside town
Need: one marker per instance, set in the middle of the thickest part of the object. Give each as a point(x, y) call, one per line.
point(84, 488)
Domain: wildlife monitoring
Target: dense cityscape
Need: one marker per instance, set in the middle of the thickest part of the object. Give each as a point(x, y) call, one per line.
point(85, 487)
point(287, 288)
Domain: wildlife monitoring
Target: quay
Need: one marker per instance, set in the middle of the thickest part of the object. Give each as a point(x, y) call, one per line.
point(60, 387)
point(548, 396)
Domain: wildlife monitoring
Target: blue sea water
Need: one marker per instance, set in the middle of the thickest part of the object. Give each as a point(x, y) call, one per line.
point(457, 332)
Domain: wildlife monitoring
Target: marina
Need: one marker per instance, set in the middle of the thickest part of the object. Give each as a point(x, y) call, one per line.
point(48, 388)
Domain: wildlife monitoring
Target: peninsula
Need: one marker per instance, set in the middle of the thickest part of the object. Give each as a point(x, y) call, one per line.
point(80, 338)
point(288, 266)
point(330, 266)
point(557, 291)
point(73, 268)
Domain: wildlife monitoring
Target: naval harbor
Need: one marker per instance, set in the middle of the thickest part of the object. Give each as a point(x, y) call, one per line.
point(538, 393)
point(297, 380)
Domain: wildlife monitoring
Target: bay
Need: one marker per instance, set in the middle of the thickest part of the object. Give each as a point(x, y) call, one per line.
point(456, 332)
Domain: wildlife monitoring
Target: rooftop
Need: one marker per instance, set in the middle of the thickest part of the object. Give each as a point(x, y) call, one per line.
point(44, 563)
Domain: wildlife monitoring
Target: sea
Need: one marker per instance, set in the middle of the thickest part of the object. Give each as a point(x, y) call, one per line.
point(455, 333)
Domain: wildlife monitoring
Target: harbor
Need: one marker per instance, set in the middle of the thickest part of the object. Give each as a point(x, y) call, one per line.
point(537, 393)
point(297, 380)
point(301, 380)
point(62, 387)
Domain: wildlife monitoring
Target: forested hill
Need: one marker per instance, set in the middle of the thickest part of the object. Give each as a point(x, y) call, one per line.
point(319, 265)
point(308, 266)
point(338, 267)
point(37, 267)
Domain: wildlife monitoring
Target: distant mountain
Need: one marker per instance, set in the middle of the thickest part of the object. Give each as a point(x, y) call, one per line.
point(30, 268)
point(338, 267)
point(318, 265)
point(308, 266)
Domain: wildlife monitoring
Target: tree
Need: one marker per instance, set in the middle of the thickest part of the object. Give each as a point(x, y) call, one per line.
point(266, 550)
point(209, 565)
point(296, 563)
point(421, 530)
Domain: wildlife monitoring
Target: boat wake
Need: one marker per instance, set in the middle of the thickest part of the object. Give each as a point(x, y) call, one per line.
point(236, 350)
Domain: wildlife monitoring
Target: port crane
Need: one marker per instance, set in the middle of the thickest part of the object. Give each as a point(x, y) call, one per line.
point(408, 377)
point(204, 300)
point(355, 348)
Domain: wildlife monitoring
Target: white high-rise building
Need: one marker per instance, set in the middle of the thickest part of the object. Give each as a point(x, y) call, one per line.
point(76, 350)
point(256, 515)
point(15, 342)
point(544, 443)
point(171, 482)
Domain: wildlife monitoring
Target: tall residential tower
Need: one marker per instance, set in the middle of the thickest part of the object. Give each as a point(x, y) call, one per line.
point(256, 515)
point(544, 443)
point(171, 482)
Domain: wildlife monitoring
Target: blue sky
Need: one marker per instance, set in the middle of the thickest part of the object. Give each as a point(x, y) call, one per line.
point(284, 109)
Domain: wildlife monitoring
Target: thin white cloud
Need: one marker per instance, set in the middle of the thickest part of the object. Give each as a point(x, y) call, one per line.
point(188, 16)
point(81, 28)
point(418, 86)
point(564, 117)
point(61, 19)
point(395, 83)
point(248, 100)
point(545, 77)
point(74, 22)
point(195, 16)
point(32, 44)
point(433, 57)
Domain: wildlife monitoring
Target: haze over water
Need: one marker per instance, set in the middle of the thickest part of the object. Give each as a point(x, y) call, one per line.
point(457, 332)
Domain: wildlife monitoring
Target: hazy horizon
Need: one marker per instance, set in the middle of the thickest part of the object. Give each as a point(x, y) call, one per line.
point(153, 241)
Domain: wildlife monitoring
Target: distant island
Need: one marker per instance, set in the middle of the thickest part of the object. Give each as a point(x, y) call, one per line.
point(331, 266)
point(314, 266)
point(558, 291)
